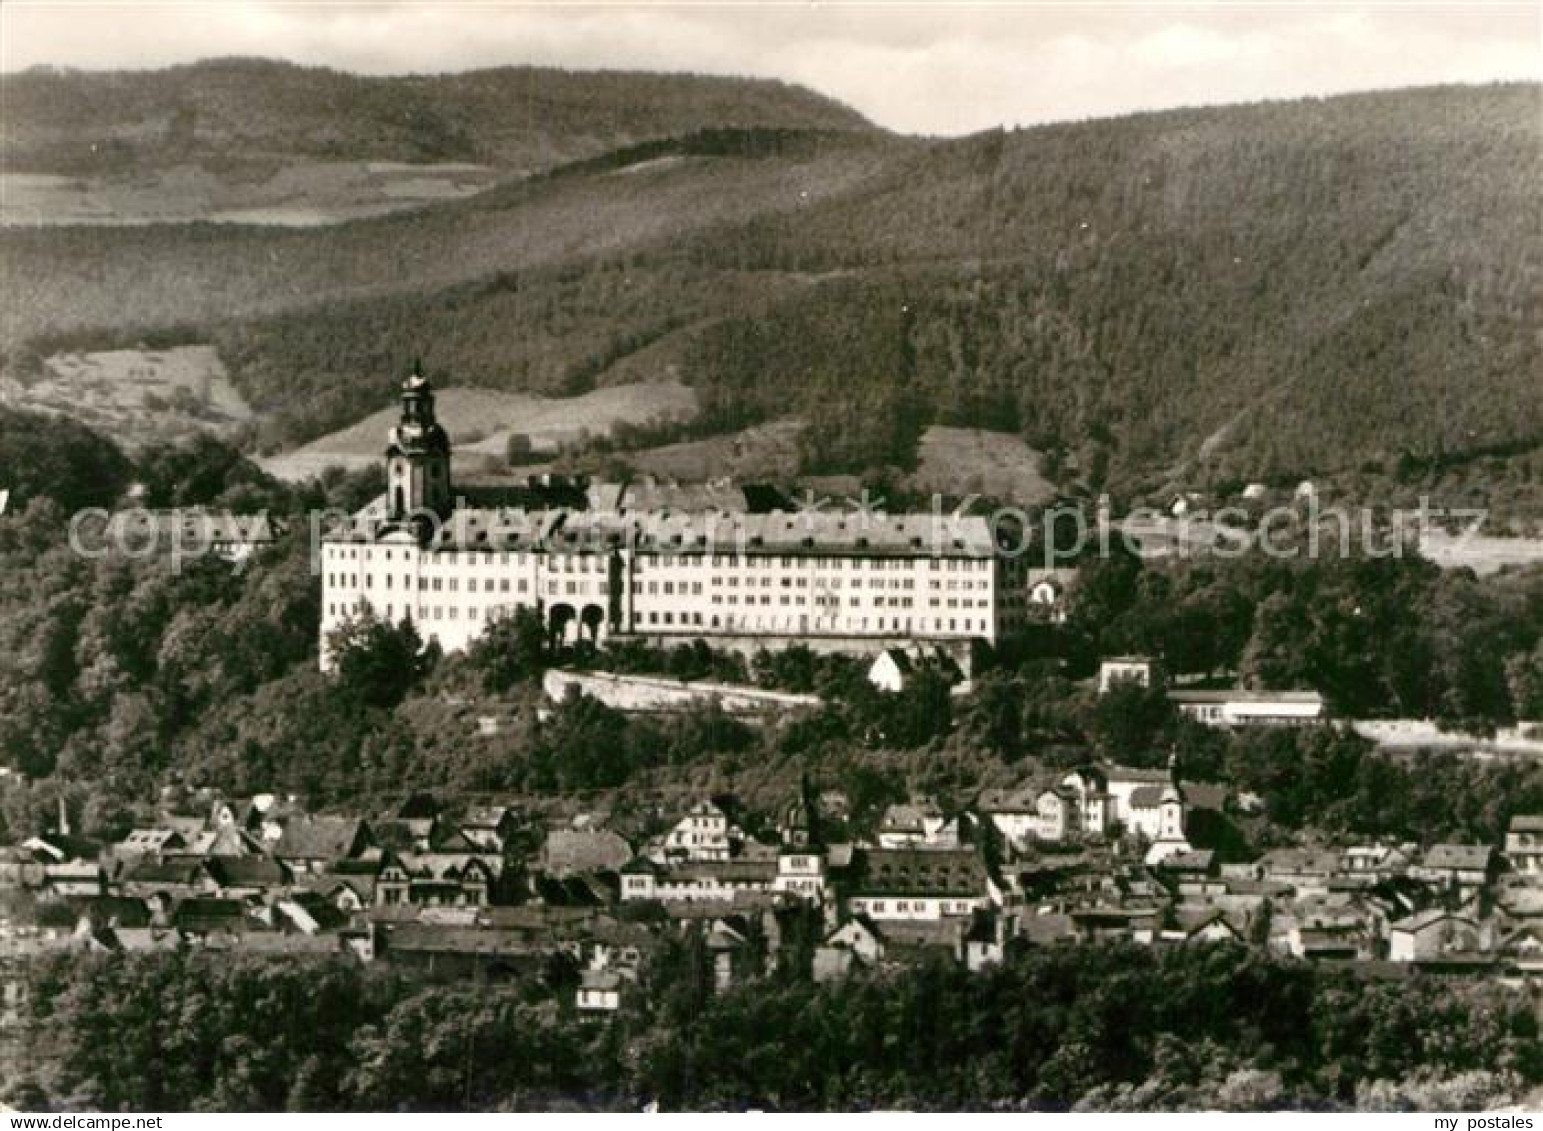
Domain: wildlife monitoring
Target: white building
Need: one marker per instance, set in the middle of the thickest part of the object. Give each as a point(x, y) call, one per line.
point(1124, 669)
point(702, 834)
point(1524, 845)
point(1235, 707)
point(853, 581)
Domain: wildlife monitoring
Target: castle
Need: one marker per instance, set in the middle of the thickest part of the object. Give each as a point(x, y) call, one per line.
point(835, 581)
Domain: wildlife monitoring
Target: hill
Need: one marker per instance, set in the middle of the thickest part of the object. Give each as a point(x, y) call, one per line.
point(231, 114)
point(251, 141)
point(1347, 284)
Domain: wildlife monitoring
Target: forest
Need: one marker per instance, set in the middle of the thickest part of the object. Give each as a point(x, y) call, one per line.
point(1095, 1027)
point(1333, 287)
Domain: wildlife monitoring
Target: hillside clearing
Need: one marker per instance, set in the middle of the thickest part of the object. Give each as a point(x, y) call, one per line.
point(480, 422)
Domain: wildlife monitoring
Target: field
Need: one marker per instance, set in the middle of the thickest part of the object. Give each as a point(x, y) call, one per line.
point(305, 195)
point(971, 460)
point(138, 396)
point(480, 421)
point(767, 451)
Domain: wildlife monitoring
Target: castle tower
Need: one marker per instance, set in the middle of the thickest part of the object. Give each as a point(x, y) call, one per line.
point(417, 455)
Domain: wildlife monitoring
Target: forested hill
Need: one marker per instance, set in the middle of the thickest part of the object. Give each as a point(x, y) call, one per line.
point(255, 111)
point(1274, 290)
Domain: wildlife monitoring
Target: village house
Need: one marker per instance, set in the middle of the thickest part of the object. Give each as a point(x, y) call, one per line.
point(1115, 670)
point(1237, 707)
point(891, 670)
point(1521, 950)
point(1437, 935)
point(1460, 869)
point(856, 943)
point(702, 834)
point(1377, 862)
point(1524, 845)
point(310, 845)
point(1307, 870)
point(707, 881)
point(915, 823)
point(600, 991)
point(1037, 811)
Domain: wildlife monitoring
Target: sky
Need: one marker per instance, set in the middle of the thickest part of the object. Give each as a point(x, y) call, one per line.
point(930, 68)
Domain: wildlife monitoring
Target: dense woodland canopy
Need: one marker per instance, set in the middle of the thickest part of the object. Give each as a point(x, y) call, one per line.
point(1088, 1027)
point(1333, 287)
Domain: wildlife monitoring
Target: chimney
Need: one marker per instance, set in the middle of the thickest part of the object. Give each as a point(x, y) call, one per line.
point(64, 818)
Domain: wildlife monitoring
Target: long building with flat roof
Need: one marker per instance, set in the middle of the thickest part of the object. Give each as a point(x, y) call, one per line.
point(846, 580)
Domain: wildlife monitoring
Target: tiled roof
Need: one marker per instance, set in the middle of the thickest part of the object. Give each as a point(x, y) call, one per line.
point(566, 851)
point(247, 871)
point(318, 838)
point(1463, 857)
point(686, 532)
point(882, 871)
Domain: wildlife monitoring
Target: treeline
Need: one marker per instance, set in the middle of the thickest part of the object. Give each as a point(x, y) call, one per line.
point(1085, 1028)
point(1390, 636)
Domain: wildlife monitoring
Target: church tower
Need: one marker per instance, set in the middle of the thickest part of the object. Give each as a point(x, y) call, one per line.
point(417, 455)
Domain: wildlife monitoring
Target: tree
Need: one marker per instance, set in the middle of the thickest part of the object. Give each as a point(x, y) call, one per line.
point(377, 663)
point(511, 649)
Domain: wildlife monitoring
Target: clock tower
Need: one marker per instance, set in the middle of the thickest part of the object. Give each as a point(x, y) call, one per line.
point(417, 456)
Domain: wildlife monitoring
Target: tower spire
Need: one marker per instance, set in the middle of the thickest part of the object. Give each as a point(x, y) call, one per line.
point(417, 454)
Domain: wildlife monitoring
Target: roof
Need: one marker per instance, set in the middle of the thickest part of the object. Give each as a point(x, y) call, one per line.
point(247, 871)
point(583, 850)
point(908, 871)
point(1527, 824)
point(1193, 922)
point(1114, 774)
point(909, 816)
point(154, 870)
point(319, 838)
point(1423, 919)
point(1204, 795)
point(724, 871)
point(1041, 930)
point(1239, 695)
point(1195, 860)
point(917, 934)
point(1147, 796)
point(114, 910)
point(599, 980)
point(1461, 857)
point(206, 913)
point(148, 840)
point(1320, 860)
point(698, 532)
